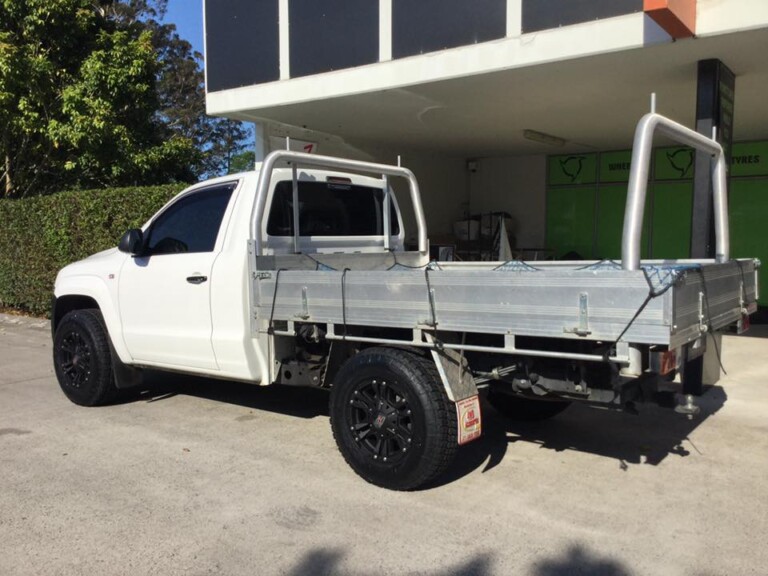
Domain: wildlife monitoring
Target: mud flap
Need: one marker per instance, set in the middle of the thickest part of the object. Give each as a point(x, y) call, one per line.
point(469, 419)
point(460, 387)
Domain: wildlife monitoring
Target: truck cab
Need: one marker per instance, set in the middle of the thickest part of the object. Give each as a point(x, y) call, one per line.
point(174, 295)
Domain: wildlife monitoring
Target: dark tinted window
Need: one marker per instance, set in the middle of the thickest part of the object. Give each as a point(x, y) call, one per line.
point(191, 224)
point(546, 14)
point(329, 210)
point(420, 26)
point(332, 34)
point(241, 43)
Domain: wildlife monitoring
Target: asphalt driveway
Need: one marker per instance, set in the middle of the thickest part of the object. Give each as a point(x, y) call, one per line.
point(208, 477)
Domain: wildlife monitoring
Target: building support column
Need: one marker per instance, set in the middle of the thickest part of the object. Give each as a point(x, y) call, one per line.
point(261, 142)
point(714, 114)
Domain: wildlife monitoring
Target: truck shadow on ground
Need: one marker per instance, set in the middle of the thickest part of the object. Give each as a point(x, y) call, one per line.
point(577, 559)
point(647, 438)
point(757, 330)
point(292, 401)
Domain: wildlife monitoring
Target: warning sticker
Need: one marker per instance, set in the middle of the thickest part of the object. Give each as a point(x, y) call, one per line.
point(469, 419)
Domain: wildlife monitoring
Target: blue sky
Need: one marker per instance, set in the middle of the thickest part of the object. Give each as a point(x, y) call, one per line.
point(188, 17)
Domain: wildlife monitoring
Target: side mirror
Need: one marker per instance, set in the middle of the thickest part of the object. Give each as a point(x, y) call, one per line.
point(132, 242)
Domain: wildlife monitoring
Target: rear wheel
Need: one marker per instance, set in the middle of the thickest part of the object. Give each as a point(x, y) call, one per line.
point(82, 358)
point(392, 419)
point(525, 409)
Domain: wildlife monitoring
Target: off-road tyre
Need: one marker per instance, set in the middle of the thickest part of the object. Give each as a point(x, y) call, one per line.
point(392, 419)
point(83, 360)
point(525, 409)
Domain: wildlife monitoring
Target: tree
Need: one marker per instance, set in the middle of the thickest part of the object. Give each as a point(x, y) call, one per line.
point(100, 93)
point(181, 88)
point(39, 44)
point(108, 125)
point(242, 162)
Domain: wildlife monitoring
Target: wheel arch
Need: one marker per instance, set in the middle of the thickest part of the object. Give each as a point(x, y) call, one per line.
point(62, 305)
point(452, 367)
point(90, 292)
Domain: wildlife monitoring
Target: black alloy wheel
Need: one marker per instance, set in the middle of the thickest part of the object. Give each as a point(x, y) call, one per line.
point(82, 358)
point(380, 420)
point(392, 419)
point(74, 355)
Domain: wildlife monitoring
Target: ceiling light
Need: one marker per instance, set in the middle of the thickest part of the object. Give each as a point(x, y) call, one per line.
point(544, 138)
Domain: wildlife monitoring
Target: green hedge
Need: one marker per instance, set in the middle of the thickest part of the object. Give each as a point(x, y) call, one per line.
point(40, 235)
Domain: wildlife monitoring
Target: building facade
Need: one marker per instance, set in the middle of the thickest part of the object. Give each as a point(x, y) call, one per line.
point(486, 100)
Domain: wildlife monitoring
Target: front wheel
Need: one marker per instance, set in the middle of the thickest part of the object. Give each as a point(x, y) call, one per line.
point(82, 358)
point(392, 419)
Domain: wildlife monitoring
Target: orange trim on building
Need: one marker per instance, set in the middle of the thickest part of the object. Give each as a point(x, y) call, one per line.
point(676, 17)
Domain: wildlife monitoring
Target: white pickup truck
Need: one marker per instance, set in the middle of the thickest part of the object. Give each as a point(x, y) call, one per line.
point(297, 274)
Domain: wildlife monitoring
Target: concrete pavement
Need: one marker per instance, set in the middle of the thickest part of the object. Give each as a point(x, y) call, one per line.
point(206, 477)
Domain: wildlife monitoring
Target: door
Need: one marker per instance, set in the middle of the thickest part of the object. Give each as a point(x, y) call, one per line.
point(164, 294)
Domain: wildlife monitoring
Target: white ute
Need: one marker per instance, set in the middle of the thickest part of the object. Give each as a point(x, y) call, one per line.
point(221, 283)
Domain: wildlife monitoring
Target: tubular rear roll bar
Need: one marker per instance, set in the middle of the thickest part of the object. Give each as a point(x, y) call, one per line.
point(649, 125)
point(647, 128)
point(304, 160)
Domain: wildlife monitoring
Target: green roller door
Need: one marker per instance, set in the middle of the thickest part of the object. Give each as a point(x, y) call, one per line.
point(587, 194)
point(748, 219)
point(671, 234)
point(571, 220)
point(611, 205)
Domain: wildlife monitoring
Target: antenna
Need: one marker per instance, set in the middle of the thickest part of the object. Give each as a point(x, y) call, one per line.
point(288, 143)
point(653, 102)
point(398, 161)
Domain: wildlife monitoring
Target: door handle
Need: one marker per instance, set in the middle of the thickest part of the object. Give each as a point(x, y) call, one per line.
point(196, 279)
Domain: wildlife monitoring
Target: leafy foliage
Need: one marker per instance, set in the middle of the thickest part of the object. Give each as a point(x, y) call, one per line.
point(181, 88)
point(242, 162)
point(39, 45)
point(108, 115)
point(41, 235)
point(101, 93)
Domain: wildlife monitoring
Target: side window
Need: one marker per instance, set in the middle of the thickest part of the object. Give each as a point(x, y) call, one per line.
point(191, 224)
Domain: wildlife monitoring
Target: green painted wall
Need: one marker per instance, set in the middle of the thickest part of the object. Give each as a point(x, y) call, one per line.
point(586, 197)
point(571, 220)
point(611, 201)
point(748, 215)
point(671, 229)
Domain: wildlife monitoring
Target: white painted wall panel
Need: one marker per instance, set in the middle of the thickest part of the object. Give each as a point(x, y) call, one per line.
point(516, 185)
point(723, 16)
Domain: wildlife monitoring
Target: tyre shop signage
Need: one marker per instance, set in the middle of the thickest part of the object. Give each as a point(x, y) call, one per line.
point(749, 159)
point(572, 169)
point(614, 166)
point(676, 163)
